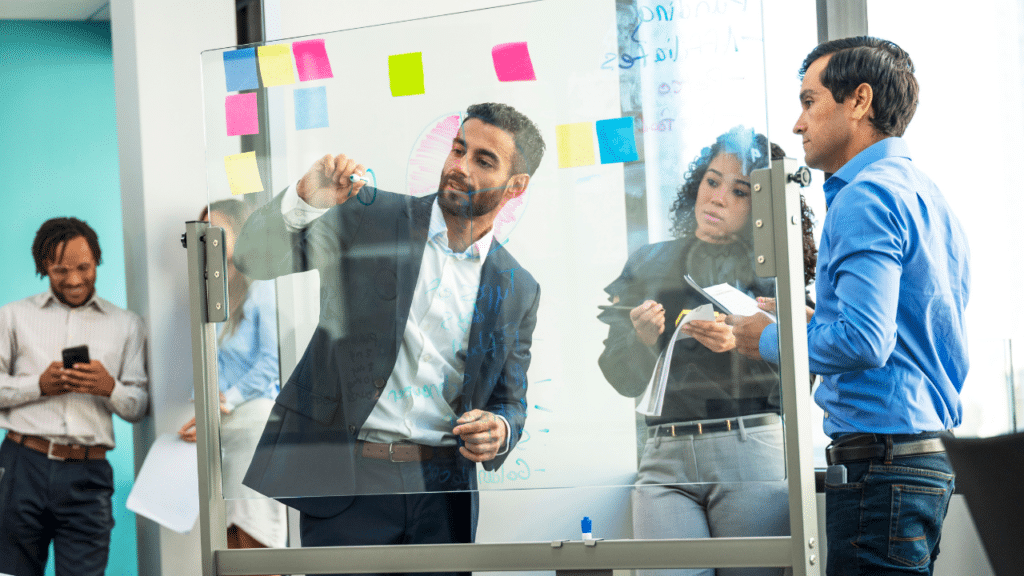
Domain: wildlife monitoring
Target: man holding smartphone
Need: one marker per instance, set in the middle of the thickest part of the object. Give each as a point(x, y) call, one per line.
point(68, 361)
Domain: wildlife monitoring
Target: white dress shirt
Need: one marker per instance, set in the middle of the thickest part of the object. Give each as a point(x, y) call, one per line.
point(33, 331)
point(416, 403)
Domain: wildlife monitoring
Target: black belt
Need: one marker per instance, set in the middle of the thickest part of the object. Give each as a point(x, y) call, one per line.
point(869, 447)
point(708, 426)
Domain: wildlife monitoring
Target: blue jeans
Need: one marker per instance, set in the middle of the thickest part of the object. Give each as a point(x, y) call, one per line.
point(887, 517)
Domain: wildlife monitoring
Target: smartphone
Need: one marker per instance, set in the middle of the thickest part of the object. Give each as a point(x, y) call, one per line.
point(835, 474)
point(75, 355)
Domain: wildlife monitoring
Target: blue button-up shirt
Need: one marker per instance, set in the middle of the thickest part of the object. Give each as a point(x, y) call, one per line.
point(888, 333)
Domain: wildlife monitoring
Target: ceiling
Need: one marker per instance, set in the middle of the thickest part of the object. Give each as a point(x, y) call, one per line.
point(93, 10)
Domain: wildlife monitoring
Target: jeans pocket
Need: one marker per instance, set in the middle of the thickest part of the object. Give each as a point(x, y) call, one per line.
point(916, 522)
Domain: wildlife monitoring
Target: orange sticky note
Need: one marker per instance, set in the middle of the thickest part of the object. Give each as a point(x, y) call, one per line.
point(575, 144)
point(276, 64)
point(243, 173)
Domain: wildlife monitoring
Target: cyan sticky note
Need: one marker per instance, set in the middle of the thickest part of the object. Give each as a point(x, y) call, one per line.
point(311, 60)
point(276, 65)
point(311, 108)
point(240, 110)
point(575, 144)
point(405, 72)
point(512, 62)
point(616, 140)
point(240, 70)
point(243, 173)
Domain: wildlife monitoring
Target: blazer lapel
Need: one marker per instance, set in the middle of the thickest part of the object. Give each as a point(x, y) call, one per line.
point(411, 232)
point(488, 314)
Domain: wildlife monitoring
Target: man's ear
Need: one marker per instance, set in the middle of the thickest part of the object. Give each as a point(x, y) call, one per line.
point(860, 102)
point(516, 186)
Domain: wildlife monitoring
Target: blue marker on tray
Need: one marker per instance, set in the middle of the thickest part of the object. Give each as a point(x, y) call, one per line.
point(585, 527)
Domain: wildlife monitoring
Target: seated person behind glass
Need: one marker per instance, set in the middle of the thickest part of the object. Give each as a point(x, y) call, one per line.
point(720, 420)
point(248, 377)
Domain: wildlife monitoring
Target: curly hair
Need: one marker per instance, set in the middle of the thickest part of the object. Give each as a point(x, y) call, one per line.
point(749, 147)
point(53, 236)
point(754, 151)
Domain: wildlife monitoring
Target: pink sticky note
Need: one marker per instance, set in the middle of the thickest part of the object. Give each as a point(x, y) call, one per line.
point(311, 60)
point(512, 62)
point(241, 114)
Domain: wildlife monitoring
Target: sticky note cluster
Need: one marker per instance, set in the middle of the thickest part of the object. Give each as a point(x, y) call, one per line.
point(616, 142)
point(275, 65)
point(512, 63)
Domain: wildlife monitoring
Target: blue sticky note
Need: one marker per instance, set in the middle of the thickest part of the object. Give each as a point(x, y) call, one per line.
point(616, 140)
point(311, 108)
point(240, 69)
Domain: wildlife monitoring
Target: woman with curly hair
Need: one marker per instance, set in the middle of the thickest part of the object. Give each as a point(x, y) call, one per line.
point(713, 463)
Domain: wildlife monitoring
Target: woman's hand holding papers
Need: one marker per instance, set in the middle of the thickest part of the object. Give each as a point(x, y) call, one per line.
point(716, 335)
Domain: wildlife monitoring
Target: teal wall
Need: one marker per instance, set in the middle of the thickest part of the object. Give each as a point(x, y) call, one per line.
point(58, 157)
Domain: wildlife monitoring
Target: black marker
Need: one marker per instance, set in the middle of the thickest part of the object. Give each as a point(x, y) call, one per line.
point(615, 307)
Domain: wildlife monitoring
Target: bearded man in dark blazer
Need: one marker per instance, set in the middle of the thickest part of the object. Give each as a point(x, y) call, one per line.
point(417, 369)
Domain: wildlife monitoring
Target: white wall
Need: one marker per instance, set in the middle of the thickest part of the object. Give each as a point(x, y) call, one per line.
point(160, 138)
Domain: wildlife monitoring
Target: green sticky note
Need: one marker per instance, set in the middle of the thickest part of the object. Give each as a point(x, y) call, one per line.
point(406, 74)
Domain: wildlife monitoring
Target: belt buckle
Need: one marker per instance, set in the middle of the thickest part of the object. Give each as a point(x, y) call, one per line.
point(391, 454)
point(50, 454)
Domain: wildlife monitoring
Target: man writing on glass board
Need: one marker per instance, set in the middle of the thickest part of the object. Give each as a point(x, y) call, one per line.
point(888, 334)
point(417, 369)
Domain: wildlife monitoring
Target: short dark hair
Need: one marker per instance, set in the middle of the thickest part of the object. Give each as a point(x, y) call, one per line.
point(881, 64)
point(52, 236)
point(529, 144)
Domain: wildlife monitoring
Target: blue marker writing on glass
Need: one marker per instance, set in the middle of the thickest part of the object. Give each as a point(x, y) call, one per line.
point(585, 527)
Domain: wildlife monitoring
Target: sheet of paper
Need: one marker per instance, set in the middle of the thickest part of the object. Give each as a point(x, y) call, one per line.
point(616, 140)
point(167, 489)
point(311, 60)
point(737, 301)
point(241, 114)
point(243, 173)
point(240, 70)
point(276, 64)
point(512, 62)
point(653, 399)
point(405, 72)
point(575, 144)
point(311, 108)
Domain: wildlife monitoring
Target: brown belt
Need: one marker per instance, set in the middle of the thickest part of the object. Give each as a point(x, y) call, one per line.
point(59, 451)
point(405, 451)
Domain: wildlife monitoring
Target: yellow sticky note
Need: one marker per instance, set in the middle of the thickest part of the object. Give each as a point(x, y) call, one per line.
point(276, 64)
point(243, 174)
point(575, 144)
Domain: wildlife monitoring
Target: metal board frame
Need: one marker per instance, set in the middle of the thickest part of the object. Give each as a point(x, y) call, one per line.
point(776, 205)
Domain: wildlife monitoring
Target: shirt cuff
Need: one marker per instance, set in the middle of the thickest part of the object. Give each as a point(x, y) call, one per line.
point(768, 346)
point(296, 213)
point(232, 398)
point(508, 436)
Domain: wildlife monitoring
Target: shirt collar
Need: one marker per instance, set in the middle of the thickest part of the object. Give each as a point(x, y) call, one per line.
point(893, 147)
point(47, 298)
point(437, 232)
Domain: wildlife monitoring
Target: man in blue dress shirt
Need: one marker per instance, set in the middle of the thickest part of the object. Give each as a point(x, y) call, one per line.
point(888, 334)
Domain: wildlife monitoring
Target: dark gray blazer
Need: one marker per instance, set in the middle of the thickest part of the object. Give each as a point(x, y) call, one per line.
point(368, 253)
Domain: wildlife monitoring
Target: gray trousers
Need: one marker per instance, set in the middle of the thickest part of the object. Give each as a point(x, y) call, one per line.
point(714, 485)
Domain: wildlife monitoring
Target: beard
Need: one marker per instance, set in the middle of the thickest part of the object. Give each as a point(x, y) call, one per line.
point(456, 197)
